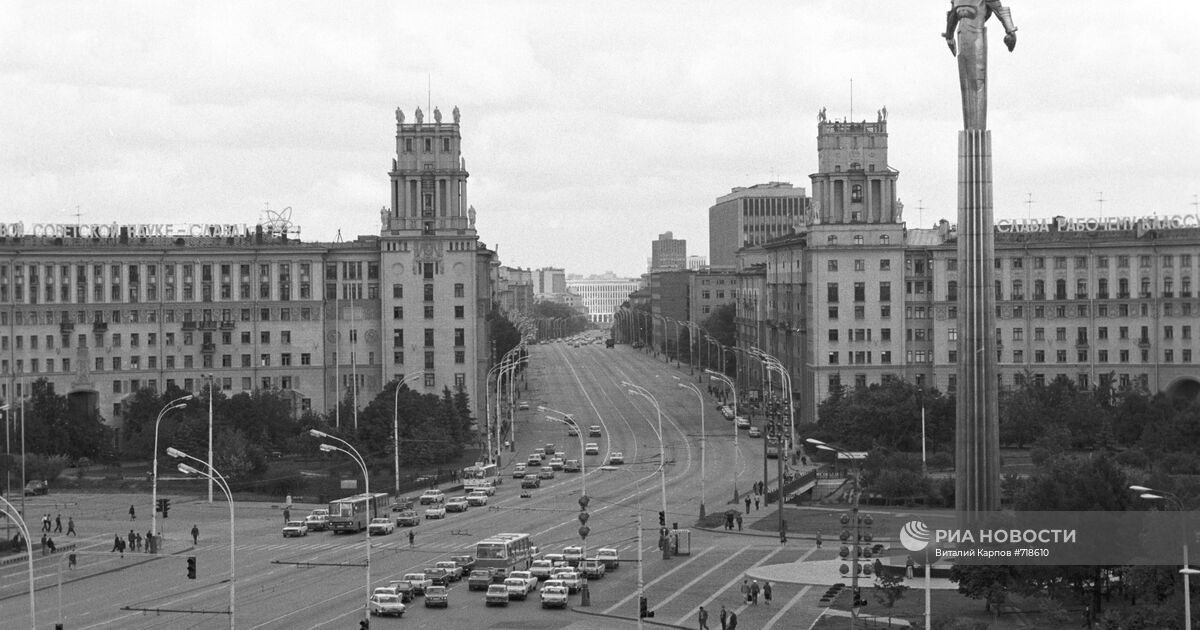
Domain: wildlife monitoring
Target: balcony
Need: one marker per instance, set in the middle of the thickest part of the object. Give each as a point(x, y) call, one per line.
point(208, 348)
point(99, 327)
point(189, 325)
point(1039, 296)
point(1081, 296)
point(227, 325)
point(1144, 342)
point(66, 327)
point(1123, 295)
point(206, 325)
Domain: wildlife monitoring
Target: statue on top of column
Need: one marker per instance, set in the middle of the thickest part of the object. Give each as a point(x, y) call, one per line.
point(399, 116)
point(420, 116)
point(456, 114)
point(437, 115)
point(966, 18)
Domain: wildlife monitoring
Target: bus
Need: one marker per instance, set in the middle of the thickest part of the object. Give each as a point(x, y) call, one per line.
point(353, 514)
point(510, 552)
point(480, 475)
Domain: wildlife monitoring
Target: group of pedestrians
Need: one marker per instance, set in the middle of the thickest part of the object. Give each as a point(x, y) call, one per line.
point(750, 591)
point(728, 619)
point(57, 527)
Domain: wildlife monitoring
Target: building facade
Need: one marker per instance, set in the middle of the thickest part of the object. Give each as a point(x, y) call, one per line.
point(668, 253)
point(750, 216)
point(602, 295)
point(549, 282)
point(251, 308)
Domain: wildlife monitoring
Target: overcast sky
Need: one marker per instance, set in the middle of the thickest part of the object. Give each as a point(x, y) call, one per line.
point(588, 127)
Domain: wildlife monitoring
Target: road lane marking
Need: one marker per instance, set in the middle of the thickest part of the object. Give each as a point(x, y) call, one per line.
point(658, 579)
point(685, 587)
point(729, 584)
point(786, 607)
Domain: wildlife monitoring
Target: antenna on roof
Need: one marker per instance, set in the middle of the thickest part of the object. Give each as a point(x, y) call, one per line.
point(429, 92)
point(920, 215)
point(1101, 202)
point(851, 99)
point(1029, 205)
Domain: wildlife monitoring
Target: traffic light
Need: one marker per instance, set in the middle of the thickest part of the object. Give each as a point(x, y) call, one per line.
point(643, 610)
point(662, 518)
point(191, 564)
point(364, 624)
point(163, 506)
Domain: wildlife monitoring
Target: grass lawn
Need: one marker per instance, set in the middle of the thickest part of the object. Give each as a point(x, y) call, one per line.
point(948, 606)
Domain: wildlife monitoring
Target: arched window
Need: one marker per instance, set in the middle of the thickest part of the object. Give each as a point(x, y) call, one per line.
point(1145, 287)
point(1060, 289)
point(1018, 290)
point(884, 239)
point(1039, 289)
point(858, 239)
point(832, 240)
point(952, 290)
point(1102, 289)
point(1123, 288)
point(1168, 287)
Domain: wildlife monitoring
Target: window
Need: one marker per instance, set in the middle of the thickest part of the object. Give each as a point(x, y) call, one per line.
point(458, 290)
point(831, 290)
point(428, 337)
point(428, 311)
point(460, 356)
point(885, 264)
point(833, 334)
point(429, 359)
point(832, 265)
point(860, 291)
point(833, 312)
point(860, 264)
point(885, 291)
point(833, 358)
point(458, 311)
point(397, 291)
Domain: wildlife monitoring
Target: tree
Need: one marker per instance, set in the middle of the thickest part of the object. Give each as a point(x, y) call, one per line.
point(51, 428)
point(505, 335)
point(991, 583)
point(889, 588)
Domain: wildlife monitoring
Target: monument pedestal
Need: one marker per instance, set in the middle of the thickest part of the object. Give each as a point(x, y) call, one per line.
point(977, 437)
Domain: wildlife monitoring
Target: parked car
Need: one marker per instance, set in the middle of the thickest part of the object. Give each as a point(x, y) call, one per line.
point(408, 518)
point(531, 481)
point(35, 487)
point(617, 457)
point(556, 463)
point(594, 430)
point(497, 595)
point(546, 472)
point(478, 498)
point(466, 562)
point(294, 528)
point(523, 405)
point(432, 496)
point(436, 511)
point(519, 588)
point(554, 597)
point(381, 526)
point(541, 569)
point(317, 520)
point(419, 582)
point(479, 580)
point(457, 504)
point(437, 597)
point(591, 448)
point(450, 567)
point(609, 557)
point(519, 471)
point(384, 604)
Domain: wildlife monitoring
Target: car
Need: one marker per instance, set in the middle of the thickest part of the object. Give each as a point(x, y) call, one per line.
point(436, 511)
point(457, 504)
point(519, 470)
point(437, 597)
point(556, 463)
point(535, 459)
point(592, 568)
point(479, 580)
point(419, 582)
point(541, 569)
point(317, 520)
point(548, 449)
point(385, 604)
point(609, 557)
point(570, 579)
point(486, 488)
point(572, 554)
point(609, 343)
point(36, 487)
point(591, 448)
point(497, 595)
point(532, 481)
point(743, 422)
point(754, 432)
point(519, 588)
point(380, 526)
point(465, 562)
point(546, 472)
point(294, 528)
point(438, 576)
point(594, 430)
point(432, 496)
point(616, 457)
point(408, 518)
point(403, 503)
point(572, 465)
point(572, 430)
point(553, 583)
point(450, 567)
point(637, 345)
point(404, 589)
point(554, 597)
point(523, 405)
point(477, 499)
point(727, 411)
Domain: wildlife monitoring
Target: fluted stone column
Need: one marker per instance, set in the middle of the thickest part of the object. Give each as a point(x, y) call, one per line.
point(977, 437)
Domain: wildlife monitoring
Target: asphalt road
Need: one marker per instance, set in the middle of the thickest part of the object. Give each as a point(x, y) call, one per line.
point(319, 581)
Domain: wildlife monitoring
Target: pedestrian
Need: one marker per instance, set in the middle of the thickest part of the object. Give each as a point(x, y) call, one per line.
point(287, 515)
point(747, 504)
point(745, 589)
point(45, 522)
point(116, 542)
point(739, 522)
point(58, 524)
point(756, 503)
point(766, 593)
point(71, 561)
point(724, 616)
point(908, 568)
point(818, 539)
point(43, 544)
point(50, 544)
point(804, 460)
point(754, 590)
point(71, 526)
point(195, 535)
point(132, 513)
point(150, 542)
point(411, 536)
point(137, 542)
point(131, 538)
point(732, 620)
point(703, 616)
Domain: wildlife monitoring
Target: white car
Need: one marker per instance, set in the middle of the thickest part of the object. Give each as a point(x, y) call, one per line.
point(432, 496)
point(541, 569)
point(609, 557)
point(295, 528)
point(452, 568)
point(572, 430)
point(457, 504)
point(519, 471)
point(591, 448)
point(381, 526)
point(754, 432)
point(743, 422)
point(554, 596)
point(572, 554)
point(545, 472)
point(594, 430)
point(519, 588)
point(570, 579)
point(523, 405)
point(317, 520)
point(556, 463)
point(384, 604)
point(477, 498)
point(436, 511)
point(616, 457)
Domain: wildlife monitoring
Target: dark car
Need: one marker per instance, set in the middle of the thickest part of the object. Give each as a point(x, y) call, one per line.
point(608, 343)
point(466, 562)
point(438, 577)
point(35, 487)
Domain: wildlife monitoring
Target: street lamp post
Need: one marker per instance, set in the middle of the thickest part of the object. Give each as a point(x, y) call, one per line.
point(178, 403)
point(585, 598)
point(24, 529)
point(640, 584)
point(358, 459)
point(854, 514)
point(211, 380)
point(1159, 495)
point(729, 382)
point(662, 453)
point(215, 477)
point(396, 423)
point(703, 439)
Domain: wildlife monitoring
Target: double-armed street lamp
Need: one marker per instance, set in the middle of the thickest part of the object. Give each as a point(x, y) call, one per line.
point(640, 584)
point(215, 477)
point(396, 422)
point(1150, 494)
point(703, 438)
point(662, 453)
point(362, 463)
point(8, 409)
point(854, 515)
point(178, 403)
point(13, 514)
point(564, 418)
point(717, 376)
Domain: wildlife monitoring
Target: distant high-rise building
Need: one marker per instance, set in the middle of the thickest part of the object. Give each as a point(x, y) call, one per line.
point(696, 263)
point(549, 281)
point(752, 216)
point(668, 253)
